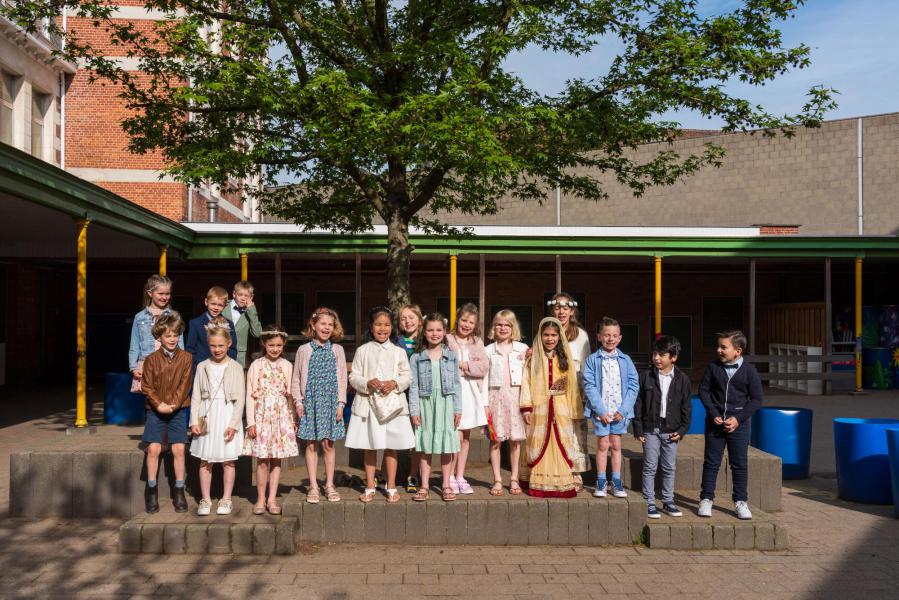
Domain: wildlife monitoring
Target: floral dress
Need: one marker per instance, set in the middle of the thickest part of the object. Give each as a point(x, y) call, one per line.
point(275, 431)
point(319, 420)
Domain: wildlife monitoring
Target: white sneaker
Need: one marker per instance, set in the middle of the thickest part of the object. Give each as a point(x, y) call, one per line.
point(742, 509)
point(600, 492)
point(705, 508)
point(224, 507)
point(204, 507)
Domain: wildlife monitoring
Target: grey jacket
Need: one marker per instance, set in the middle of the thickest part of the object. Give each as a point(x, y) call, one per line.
point(450, 382)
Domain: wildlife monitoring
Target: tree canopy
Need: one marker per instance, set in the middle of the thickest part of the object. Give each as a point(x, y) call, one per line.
point(380, 110)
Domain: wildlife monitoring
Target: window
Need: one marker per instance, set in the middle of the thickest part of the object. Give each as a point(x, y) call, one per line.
point(7, 98)
point(720, 314)
point(682, 329)
point(293, 311)
point(525, 317)
point(39, 104)
point(345, 305)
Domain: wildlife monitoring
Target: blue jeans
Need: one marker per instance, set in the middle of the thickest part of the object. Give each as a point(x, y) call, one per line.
point(737, 444)
point(657, 446)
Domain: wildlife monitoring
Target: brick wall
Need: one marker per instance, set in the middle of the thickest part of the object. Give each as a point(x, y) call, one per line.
point(167, 199)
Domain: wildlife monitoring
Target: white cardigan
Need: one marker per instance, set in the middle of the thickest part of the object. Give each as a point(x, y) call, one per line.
point(387, 362)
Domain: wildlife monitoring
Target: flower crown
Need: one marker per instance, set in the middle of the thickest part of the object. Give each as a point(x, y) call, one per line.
point(274, 332)
point(559, 302)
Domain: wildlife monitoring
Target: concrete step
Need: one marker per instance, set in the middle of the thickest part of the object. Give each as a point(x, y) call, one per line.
point(241, 532)
point(722, 531)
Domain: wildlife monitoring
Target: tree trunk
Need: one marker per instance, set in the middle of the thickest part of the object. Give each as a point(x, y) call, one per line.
point(399, 255)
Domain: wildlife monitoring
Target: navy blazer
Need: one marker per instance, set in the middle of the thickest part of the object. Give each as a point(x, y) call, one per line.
point(740, 396)
point(197, 344)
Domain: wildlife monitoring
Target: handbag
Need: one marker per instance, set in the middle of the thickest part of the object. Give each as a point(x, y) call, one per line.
point(387, 407)
point(203, 420)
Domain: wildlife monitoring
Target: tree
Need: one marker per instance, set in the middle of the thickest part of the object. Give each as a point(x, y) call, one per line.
point(400, 110)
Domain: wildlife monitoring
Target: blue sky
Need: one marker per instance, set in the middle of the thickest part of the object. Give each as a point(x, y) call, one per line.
point(855, 49)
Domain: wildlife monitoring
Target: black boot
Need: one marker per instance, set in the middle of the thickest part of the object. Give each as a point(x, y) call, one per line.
point(151, 497)
point(179, 501)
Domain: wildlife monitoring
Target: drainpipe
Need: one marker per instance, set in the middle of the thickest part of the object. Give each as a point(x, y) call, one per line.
point(861, 181)
point(62, 100)
point(212, 206)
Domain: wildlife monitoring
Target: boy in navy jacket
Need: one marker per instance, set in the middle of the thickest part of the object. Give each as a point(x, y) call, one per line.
point(731, 391)
point(216, 298)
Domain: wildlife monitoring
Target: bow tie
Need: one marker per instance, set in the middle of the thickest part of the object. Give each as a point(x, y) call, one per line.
point(610, 357)
point(240, 309)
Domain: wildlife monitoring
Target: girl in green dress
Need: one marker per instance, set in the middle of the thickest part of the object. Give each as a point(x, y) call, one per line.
point(434, 403)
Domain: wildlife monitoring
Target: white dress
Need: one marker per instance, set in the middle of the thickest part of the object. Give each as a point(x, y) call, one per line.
point(212, 446)
point(474, 397)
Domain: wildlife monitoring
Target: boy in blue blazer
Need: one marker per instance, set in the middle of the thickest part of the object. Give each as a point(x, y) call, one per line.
point(216, 298)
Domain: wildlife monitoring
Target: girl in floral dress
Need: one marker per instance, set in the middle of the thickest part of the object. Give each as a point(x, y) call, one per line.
point(271, 429)
point(319, 394)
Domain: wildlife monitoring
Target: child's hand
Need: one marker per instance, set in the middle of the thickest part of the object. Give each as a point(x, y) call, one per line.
point(387, 386)
point(299, 411)
point(618, 416)
point(642, 439)
point(416, 421)
point(731, 424)
point(718, 421)
point(463, 366)
point(196, 430)
point(251, 432)
point(165, 409)
point(229, 434)
point(527, 418)
point(528, 353)
point(457, 419)
point(137, 374)
point(674, 437)
point(374, 385)
point(339, 416)
point(605, 419)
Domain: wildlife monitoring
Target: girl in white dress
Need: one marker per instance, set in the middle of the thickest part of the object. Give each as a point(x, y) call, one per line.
point(380, 375)
point(216, 415)
point(465, 341)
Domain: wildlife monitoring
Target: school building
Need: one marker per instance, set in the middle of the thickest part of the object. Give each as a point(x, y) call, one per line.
point(788, 239)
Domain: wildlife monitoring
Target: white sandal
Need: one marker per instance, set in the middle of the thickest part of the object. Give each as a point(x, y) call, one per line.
point(368, 495)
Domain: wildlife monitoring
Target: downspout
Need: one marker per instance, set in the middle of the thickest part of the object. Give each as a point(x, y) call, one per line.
point(861, 181)
point(62, 100)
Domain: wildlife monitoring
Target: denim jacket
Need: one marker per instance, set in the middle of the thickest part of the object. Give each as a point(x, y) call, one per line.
point(630, 385)
point(143, 344)
point(450, 381)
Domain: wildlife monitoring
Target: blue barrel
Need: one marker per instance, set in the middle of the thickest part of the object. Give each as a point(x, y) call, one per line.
point(893, 449)
point(863, 466)
point(120, 406)
point(785, 431)
point(697, 416)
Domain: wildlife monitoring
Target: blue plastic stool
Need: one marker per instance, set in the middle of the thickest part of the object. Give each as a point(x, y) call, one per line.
point(697, 416)
point(893, 450)
point(120, 406)
point(863, 467)
point(785, 431)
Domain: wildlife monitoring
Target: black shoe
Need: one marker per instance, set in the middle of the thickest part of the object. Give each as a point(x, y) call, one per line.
point(179, 501)
point(151, 498)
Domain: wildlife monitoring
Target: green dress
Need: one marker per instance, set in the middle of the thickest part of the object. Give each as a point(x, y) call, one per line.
point(437, 433)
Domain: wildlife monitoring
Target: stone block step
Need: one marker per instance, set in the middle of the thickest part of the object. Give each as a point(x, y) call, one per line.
point(242, 532)
point(722, 531)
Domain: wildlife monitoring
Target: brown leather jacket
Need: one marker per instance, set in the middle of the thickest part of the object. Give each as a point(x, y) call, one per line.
point(167, 380)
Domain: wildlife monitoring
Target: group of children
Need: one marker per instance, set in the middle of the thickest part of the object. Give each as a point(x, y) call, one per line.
point(423, 386)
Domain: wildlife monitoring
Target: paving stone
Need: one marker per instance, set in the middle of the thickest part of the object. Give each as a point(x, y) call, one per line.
point(578, 514)
point(764, 536)
point(703, 537)
point(618, 521)
point(312, 522)
point(517, 532)
point(598, 522)
point(91, 490)
point(744, 536)
point(395, 530)
point(417, 522)
point(130, 537)
point(354, 522)
point(51, 484)
point(20, 504)
point(196, 540)
point(457, 515)
point(771, 489)
point(173, 539)
point(242, 538)
point(138, 481)
point(723, 537)
point(658, 536)
point(435, 532)
point(758, 471)
point(636, 516)
point(119, 481)
point(218, 539)
point(264, 538)
point(375, 522)
point(286, 535)
point(681, 536)
point(151, 536)
point(781, 537)
point(557, 524)
point(498, 522)
point(538, 521)
point(477, 523)
point(332, 522)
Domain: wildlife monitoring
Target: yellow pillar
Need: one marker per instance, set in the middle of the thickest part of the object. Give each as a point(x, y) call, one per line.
point(858, 323)
point(81, 324)
point(163, 259)
point(452, 315)
point(658, 296)
point(243, 266)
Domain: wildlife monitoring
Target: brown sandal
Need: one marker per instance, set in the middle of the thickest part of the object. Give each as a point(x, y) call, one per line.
point(515, 488)
point(497, 489)
point(421, 495)
point(448, 494)
point(273, 508)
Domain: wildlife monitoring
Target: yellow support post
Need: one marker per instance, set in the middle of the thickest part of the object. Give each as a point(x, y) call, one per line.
point(858, 324)
point(658, 296)
point(81, 324)
point(163, 259)
point(243, 266)
point(452, 316)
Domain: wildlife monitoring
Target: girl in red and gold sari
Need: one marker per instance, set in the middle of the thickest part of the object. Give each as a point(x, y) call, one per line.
point(549, 401)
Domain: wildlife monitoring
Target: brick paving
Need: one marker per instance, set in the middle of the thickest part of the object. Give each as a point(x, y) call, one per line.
point(838, 549)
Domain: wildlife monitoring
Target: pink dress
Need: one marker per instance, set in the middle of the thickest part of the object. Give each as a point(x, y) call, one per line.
point(508, 423)
point(272, 413)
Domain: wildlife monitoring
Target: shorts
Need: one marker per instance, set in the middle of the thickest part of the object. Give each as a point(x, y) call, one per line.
point(619, 428)
point(170, 428)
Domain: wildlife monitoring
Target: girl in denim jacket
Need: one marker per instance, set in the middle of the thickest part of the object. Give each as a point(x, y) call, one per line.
point(157, 295)
point(434, 403)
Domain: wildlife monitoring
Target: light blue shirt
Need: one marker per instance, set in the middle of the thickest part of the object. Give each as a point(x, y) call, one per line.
point(731, 368)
